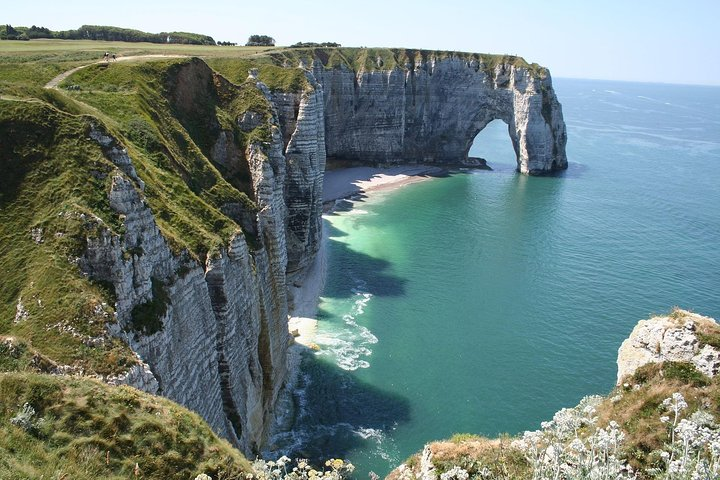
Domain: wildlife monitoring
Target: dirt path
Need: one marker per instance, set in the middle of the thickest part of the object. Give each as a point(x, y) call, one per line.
point(56, 81)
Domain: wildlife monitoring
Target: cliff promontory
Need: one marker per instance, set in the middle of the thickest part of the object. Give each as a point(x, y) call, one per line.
point(681, 336)
point(426, 107)
point(387, 106)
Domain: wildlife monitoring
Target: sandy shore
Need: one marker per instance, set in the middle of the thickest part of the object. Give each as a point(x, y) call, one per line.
point(302, 323)
point(349, 182)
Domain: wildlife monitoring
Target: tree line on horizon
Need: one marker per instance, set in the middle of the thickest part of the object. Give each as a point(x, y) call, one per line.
point(117, 34)
point(102, 32)
point(267, 41)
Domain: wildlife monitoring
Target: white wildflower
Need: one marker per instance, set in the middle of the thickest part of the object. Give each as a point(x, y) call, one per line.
point(455, 473)
point(703, 418)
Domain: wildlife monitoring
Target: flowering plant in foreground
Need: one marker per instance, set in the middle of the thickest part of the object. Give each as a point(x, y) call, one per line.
point(694, 448)
point(283, 469)
point(571, 446)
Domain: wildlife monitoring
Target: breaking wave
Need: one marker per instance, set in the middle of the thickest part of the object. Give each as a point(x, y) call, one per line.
point(349, 344)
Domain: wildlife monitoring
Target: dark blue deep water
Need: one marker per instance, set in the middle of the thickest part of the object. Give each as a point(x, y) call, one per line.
point(484, 302)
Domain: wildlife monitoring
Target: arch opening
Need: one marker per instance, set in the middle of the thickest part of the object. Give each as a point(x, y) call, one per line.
point(494, 144)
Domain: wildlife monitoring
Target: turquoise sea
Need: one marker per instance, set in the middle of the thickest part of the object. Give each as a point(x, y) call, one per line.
point(483, 302)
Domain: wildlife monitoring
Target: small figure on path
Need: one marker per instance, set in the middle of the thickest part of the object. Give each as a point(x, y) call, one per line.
point(106, 57)
point(114, 58)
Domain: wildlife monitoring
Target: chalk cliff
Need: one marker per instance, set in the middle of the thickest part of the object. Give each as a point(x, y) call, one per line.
point(221, 346)
point(429, 107)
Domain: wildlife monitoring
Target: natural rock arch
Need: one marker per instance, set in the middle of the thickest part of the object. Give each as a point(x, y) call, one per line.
point(431, 111)
point(478, 134)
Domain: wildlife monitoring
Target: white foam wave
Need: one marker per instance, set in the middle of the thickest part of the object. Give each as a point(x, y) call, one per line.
point(356, 211)
point(350, 344)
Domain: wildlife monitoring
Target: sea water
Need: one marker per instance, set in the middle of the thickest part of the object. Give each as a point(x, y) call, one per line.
point(485, 301)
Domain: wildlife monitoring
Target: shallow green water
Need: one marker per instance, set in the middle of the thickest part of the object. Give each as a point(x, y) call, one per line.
point(485, 302)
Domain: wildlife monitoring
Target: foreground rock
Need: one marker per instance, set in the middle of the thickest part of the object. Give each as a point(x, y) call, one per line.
point(676, 337)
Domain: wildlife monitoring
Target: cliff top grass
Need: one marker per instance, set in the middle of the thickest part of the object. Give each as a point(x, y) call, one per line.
point(36, 62)
point(55, 184)
point(53, 192)
point(169, 136)
point(371, 59)
point(62, 427)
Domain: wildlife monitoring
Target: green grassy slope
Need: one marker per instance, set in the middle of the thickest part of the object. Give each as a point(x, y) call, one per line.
point(170, 143)
point(53, 187)
point(84, 429)
point(53, 191)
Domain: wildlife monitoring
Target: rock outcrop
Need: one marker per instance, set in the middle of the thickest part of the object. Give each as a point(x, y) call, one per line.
point(676, 338)
point(301, 116)
point(430, 109)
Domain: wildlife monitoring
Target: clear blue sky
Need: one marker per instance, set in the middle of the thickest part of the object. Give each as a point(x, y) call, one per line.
point(636, 40)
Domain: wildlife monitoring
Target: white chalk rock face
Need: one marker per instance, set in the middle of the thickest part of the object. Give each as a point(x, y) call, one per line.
point(430, 112)
point(668, 338)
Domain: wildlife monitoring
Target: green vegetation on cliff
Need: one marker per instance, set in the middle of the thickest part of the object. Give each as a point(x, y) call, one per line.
point(53, 194)
point(171, 119)
point(276, 77)
point(371, 59)
point(61, 427)
point(168, 114)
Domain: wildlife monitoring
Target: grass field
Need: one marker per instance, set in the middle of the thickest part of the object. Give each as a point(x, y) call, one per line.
point(97, 48)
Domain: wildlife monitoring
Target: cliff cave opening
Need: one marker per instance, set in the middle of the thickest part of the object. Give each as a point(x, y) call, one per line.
point(493, 143)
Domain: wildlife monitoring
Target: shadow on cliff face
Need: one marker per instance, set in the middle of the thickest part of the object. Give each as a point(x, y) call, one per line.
point(358, 272)
point(337, 414)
